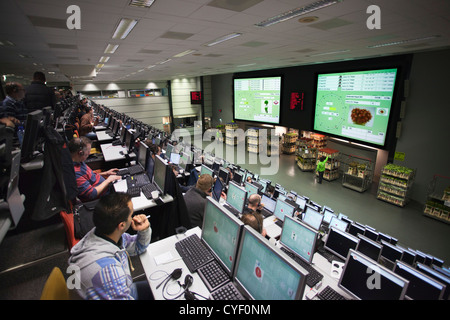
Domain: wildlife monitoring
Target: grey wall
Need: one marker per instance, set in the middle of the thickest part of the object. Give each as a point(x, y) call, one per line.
point(425, 135)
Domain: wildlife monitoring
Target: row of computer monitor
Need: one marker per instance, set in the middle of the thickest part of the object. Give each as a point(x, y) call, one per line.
point(344, 236)
point(154, 166)
point(261, 271)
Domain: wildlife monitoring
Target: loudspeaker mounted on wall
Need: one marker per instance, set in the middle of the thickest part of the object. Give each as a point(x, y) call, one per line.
point(402, 109)
point(399, 129)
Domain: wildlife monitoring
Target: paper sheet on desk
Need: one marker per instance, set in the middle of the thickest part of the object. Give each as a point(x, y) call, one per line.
point(163, 258)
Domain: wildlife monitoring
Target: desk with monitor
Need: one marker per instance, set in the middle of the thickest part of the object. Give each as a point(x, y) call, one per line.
point(115, 153)
point(163, 257)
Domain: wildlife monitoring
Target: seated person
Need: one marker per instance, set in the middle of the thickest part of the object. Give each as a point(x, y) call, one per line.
point(254, 209)
point(90, 185)
point(255, 221)
point(102, 255)
point(195, 199)
point(13, 105)
point(183, 188)
point(87, 123)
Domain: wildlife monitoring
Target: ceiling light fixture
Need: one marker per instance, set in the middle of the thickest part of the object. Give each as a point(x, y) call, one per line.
point(124, 28)
point(103, 59)
point(394, 43)
point(165, 61)
point(111, 48)
point(297, 12)
point(141, 3)
point(6, 43)
point(224, 38)
point(184, 53)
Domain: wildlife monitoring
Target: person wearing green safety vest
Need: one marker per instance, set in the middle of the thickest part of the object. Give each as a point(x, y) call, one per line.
point(321, 167)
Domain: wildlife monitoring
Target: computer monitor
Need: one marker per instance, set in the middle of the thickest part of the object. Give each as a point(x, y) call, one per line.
point(269, 203)
point(338, 223)
point(169, 149)
point(264, 272)
point(215, 166)
point(223, 174)
point(437, 276)
point(371, 234)
point(160, 174)
point(31, 135)
point(391, 252)
point(408, 256)
point(364, 279)
point(123, 132)
point(143, 153)
point(299, 237)
point(283, 209)
point(327, 215)
point(129, 139)
point(370, 248)
point(221, 232)
point(339, 242)
point(263, 185)
point(356, 229)
point(313, 218)
point(251, 189)
point(205, 170)
point(184, 160)
point(174, 158)
point(116, 127)
point(217, 189)
point(237, 177)
point(236, 196)
point(301, 202)
point(421, 286)
point(385, 237)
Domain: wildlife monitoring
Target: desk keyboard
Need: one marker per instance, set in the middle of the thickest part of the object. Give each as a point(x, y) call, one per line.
point(227, 292)
point(314, 276)
point(139, 180)
point(329, 293)
point(134, 191)
point(148, 189)
point(328, 255)
point(213, 275)
point(193, 252)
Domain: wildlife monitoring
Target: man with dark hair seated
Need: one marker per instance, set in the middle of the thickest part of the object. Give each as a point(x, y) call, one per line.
point(90, 185)
point(102, 255)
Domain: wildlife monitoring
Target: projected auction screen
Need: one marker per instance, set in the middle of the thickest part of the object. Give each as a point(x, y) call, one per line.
point(257, 99)
point(355, 105)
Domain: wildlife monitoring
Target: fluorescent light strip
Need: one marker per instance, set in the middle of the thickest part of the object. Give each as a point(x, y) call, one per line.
point(124, 28)
point(165, 61)
point(297, 12)
point(103, 59)
point(184, 53)
point(224, 38)
point(111, 48)
point(141, 3)
point(395, 43)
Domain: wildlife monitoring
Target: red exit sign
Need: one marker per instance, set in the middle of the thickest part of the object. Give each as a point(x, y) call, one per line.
point(196, 97)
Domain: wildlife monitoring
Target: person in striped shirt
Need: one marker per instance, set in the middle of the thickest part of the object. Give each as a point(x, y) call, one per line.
point(91, 185)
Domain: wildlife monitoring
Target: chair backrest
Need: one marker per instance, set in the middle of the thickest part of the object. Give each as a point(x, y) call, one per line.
point(55, 287)
point(69, 227)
